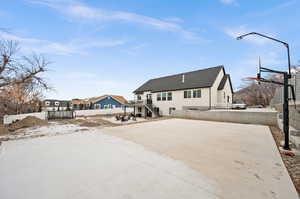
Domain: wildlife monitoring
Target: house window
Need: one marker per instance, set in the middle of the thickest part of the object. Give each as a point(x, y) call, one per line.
point(97, 106)
point(47, 103)
point(139, 109)
point(169, 96)
point(56, 103)
point(139, 97)
point(197, 93)
point(164, 96)
point(187, 94)
point(158, 96)
point(224, 95)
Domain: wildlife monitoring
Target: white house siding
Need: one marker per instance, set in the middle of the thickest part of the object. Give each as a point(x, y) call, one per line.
point(214, 89)
point(49, 108)
point(179, 102)
point(222, 102)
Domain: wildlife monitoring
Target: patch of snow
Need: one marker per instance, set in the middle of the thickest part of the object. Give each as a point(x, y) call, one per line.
point(50, 130)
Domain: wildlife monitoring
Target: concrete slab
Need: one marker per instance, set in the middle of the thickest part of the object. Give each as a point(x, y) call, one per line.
point(93, 165)
point(242, 160)
point(173, 159)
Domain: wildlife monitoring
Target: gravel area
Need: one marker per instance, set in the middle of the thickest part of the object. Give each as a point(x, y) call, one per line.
point(292, 163)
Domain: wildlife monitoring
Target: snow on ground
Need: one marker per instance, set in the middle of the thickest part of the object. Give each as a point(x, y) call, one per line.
point(95, 165)
point(50, 130)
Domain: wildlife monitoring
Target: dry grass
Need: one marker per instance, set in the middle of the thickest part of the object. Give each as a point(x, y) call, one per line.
point(292, 163)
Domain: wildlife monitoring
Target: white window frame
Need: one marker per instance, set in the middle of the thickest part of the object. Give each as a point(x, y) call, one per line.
point(169, 98)
point(158, 96)
point(197, 93)
point(164, 96)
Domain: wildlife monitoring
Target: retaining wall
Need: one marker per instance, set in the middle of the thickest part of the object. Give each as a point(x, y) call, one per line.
point(244, 117)
point(294, 113)
point(102, 111)
point(7, 119)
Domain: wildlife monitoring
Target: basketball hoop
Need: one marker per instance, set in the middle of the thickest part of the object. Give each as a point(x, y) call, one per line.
point(251, 79)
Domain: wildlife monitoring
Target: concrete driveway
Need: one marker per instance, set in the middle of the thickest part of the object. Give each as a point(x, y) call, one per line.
point(163, 159)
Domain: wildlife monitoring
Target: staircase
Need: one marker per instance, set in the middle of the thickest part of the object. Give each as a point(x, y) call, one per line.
point(150, 107)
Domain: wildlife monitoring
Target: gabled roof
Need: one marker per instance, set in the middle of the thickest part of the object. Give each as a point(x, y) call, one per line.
point(223, 82)
point(203, 78)
point(118, 98)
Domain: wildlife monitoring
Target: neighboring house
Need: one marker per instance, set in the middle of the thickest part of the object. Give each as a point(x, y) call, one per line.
point(198, 90)
point(102, 102)
point(56, 105)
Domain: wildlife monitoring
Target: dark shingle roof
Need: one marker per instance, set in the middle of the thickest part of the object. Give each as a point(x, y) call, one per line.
point(223, 82)
point(196, 79)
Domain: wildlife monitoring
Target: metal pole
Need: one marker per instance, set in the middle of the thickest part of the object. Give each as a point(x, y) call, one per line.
point(289, 60)
point(286, 112)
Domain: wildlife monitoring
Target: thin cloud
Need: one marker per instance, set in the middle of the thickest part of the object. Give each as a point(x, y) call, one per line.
point(78, 11)
point(273, 10)
point(228, 1)
point(9, 36)
point(68, 48)
point(174, 19)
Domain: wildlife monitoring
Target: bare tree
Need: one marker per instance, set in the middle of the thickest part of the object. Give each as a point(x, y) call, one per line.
point(19, 70)
point(21, 82)
point(258, 94)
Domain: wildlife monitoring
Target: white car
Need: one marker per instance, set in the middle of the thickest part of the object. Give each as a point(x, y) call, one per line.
point(239, 104)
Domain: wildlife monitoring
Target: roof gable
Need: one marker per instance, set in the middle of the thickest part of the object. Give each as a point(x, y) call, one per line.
point(196, 79)
point(118, 98)
point(223, 82)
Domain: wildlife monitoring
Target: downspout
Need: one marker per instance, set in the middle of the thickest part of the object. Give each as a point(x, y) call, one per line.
point(209, 98)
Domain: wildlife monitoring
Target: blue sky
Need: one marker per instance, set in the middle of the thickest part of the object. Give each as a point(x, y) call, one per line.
point(112, 47)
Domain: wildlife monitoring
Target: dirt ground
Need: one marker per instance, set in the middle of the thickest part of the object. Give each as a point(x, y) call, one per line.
point(29, 121)
point(292, 163)
point(3, 130)
point(87, 122)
